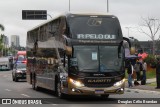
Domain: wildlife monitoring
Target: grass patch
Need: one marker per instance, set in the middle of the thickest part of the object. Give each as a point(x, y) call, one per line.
point(149, 74)
point(152, 84)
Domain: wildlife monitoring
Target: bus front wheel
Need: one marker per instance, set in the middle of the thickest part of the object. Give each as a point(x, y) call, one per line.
point(58, 91)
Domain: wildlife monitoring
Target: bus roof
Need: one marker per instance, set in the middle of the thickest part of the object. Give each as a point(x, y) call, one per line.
point(67, 14)
point(55, 17)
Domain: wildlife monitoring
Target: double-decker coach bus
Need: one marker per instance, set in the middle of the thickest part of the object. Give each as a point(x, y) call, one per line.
point(77, 54)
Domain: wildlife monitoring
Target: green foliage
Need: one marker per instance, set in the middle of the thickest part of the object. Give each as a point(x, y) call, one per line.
point(1, 27)
point(151, 60)
point(1, 41)
point(151, 74)
point(152, 84)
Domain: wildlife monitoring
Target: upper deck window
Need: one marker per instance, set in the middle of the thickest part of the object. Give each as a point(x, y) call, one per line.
point(85, 27)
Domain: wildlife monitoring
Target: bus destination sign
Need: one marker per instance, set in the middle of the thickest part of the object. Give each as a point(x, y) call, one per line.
point(96, 36)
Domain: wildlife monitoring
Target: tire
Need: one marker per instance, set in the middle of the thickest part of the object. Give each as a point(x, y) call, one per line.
point(58, 91)
point(15, 78)
point(34, 85)
point(105, 96)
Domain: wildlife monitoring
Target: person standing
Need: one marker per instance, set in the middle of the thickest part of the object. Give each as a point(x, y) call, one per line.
point(144, 66)
point(158, 74)
point(130, 72)
point(137, 69)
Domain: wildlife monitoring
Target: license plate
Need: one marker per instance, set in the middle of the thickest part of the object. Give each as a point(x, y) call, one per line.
point(99, 91)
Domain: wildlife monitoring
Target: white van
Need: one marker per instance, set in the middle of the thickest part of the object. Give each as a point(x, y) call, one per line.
point(4, 63)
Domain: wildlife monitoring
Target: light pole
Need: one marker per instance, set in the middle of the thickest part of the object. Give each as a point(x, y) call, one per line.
point(69, 5)
point(128, 30)
point(107, 6)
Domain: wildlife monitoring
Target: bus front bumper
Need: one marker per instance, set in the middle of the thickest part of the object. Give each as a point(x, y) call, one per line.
point(83, 90)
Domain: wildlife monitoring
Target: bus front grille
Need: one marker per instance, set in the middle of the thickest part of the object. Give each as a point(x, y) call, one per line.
point(98, 85)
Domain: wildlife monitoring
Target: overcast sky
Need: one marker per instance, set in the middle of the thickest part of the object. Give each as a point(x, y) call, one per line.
point(129, 13)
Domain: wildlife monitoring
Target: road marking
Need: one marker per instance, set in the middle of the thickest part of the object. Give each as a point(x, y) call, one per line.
point(25, 95)
point(50, 103)
point(7, 89)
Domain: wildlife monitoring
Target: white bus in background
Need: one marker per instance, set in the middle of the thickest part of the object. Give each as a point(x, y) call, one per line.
point(4, 63)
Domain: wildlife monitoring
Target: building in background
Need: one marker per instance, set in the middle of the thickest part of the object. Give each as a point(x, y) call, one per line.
point(147, 46)
point(15, 41)
point(6, 41)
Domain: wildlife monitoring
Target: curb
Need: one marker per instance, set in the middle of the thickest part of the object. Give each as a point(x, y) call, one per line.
point(141, 90)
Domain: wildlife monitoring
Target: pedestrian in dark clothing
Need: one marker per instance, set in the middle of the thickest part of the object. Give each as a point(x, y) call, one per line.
point(137, 69)
point(158, 74)
point(130, 72)
point(144, 66)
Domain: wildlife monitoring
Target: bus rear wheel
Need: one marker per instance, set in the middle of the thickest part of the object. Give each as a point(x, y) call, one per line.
point(34, 85)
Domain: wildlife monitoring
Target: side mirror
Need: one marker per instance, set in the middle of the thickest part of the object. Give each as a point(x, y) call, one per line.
point(68, 50)
point(131, 42)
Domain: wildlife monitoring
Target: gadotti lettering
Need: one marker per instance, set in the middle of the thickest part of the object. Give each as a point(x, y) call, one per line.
point(95, 36)
point(99, 80)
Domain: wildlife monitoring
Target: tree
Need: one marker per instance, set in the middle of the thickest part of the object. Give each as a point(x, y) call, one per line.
point(1, 36)
point(1, 44)
point(1, 39)
point(1, 27)
point(153, 26)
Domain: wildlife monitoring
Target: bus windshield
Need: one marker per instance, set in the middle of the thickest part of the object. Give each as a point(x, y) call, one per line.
point(98, 58)
point(84, 27)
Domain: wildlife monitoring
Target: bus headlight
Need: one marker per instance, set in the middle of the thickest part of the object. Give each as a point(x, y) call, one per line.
point(76, 83)
point(119, 82)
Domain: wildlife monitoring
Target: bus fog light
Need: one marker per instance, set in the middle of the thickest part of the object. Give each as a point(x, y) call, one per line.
point(122, 89)
point(73, 89)
point(119, 83)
